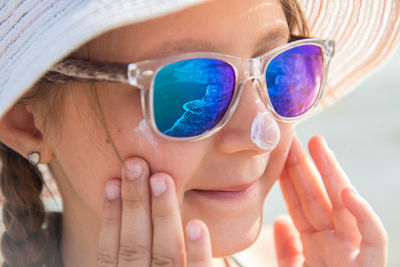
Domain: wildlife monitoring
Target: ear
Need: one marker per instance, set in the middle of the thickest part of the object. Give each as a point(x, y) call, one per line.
point(18, 131)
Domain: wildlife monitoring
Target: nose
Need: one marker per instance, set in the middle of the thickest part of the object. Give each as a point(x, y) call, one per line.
point(252, 127)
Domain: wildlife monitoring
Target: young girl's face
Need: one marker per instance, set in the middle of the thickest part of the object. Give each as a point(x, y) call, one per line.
point(84, 157)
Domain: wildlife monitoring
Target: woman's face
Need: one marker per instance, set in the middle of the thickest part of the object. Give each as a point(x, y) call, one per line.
point(84, 157)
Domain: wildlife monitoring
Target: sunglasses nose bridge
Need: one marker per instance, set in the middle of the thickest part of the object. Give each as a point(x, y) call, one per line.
point(256, 76)
point(254, 68)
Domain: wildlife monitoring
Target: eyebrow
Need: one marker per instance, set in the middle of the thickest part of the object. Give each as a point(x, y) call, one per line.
point(181, 46)
point(78, 70)
point(272, 39)
point(267, 41)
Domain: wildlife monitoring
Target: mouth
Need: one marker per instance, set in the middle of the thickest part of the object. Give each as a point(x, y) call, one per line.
point(229, 192)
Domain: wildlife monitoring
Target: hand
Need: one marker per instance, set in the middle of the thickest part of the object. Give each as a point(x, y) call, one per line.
point(335, 226)
point(139, 229)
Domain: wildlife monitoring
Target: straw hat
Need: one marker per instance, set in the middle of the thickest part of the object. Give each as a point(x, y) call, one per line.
point(36, 34)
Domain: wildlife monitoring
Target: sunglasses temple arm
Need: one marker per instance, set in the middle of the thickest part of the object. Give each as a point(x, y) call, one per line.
point(78, 70)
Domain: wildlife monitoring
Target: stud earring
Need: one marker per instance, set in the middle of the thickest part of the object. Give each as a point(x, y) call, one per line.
point(34, 157)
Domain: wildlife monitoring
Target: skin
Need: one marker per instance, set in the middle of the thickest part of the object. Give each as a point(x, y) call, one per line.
point(108, 204)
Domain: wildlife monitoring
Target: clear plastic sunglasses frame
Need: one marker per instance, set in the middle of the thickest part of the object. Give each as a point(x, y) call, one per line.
point(141, 76)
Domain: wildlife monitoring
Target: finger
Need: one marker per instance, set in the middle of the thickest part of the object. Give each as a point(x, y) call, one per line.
point(309, 188)
point(198, 245)
point(135, 244)
point(293, 203)
point(373, 247)
point(335, 180)
point(107, 252)
point(168, 239)
point(287, 243)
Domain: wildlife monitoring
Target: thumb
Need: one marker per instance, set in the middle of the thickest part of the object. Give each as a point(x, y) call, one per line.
point(288, 246)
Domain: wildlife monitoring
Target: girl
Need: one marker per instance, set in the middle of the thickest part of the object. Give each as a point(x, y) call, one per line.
point(166, 123)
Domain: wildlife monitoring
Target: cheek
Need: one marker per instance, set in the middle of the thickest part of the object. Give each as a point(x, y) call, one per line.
point(84, 160)
point(161, 155)
point(287, 134)
point(132, 136)
point(278, 156)
point(146, 140)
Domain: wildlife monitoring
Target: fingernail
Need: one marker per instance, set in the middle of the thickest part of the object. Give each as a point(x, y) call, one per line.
point(158, 186)
point(326, 157)
point(133, 169)
point(113, 189)
point(354, 192)
point(193, 231)
point(325, 144)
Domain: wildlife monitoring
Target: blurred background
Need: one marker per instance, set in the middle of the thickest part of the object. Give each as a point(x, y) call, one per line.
point(363, 130)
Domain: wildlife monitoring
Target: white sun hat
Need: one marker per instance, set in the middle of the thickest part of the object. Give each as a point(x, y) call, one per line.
point(34, 35)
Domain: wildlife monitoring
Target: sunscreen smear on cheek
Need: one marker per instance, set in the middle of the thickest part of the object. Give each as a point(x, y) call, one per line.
point(145, 135)
point(265, 132)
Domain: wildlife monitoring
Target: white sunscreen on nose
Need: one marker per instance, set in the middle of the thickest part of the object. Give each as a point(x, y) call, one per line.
point(144, 133)
point(265, 131)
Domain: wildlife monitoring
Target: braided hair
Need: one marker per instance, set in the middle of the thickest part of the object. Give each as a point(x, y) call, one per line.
point(32, 236)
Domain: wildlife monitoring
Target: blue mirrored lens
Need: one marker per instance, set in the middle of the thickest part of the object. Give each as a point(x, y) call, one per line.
point(294, 80)
point(192, 96)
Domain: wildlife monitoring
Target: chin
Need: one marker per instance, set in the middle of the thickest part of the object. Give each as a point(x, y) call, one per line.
point(230, 232)
point(240, 237)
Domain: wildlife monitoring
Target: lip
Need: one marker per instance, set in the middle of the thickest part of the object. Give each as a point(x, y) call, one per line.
point(229, 193)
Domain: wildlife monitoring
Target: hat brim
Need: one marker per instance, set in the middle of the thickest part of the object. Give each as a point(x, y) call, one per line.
point(366, 35)
point(37, 34)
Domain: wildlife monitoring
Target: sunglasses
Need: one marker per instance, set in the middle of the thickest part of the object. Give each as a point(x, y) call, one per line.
point(191, 96)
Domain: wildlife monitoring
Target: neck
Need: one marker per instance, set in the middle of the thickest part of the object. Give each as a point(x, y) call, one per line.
point(80, 225)
point(80, 237)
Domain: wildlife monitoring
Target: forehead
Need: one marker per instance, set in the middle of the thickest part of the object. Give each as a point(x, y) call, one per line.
point(234, 27)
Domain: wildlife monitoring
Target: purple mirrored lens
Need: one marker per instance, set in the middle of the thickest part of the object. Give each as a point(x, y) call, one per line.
point(294, 80)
